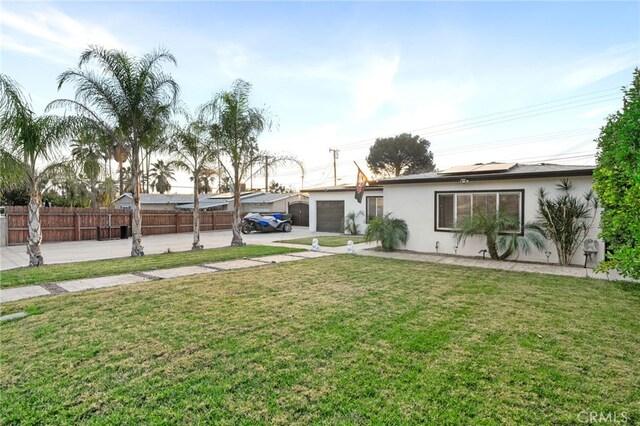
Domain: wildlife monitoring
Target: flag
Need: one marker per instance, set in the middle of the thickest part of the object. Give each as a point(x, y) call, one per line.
point(361, 181)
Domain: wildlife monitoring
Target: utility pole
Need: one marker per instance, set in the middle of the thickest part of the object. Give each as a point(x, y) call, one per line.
point(266, 173)
point(335, 157)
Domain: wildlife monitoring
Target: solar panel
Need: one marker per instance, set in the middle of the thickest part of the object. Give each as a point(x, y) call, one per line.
point(479, 168)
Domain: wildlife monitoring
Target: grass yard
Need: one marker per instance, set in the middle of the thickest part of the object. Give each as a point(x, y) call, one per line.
point(336, 340)
point(97, 268)
point(327, 241)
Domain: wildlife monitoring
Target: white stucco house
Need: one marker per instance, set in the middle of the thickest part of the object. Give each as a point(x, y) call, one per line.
point(432, 202)
point(329, 206)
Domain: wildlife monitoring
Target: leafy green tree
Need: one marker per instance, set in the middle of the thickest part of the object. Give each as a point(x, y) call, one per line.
point(617, 183)
point(194, 153)
point(127, 97)
point(498, 230)
point(15, 195)
point(566, 219)
point(400, 155)
point(29, 146)
point(161, 174)
point(277, 188)
point(234, 126)
point(390, 231)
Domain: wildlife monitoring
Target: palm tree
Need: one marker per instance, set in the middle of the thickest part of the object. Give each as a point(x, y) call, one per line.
point(161, 173)
point(88, 152)
point(26, 141)
point(566, 220)
point(234, 127)
point(391, 232)
point(207, 178)
point(126, 98)
point(194, 153)
point(499, 230)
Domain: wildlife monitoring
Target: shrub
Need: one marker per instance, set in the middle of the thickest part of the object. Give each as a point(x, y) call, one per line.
point(391, 232)
point(350, 224)
point(498, 228)
point(566, 219)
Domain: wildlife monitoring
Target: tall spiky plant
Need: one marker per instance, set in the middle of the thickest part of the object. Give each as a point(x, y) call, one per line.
point(29, 145)
point(566, 219)
point(498, 228)
point(128, 98)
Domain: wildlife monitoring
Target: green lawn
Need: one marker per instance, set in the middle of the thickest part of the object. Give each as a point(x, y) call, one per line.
point(96, 268)
point(327, 241)
point(335, 340)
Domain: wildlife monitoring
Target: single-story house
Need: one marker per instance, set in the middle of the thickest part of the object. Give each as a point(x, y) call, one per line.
point(329, 206)
point(431, 203)
point(261, 202)
point(156, 201)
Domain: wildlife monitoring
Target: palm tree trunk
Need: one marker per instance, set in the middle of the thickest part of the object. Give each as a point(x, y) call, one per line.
point(35, 231)
point(236, 240)
point(196, 215)
point(94, 194)
point(120, 176)
point(136, 214)
point(493, 248)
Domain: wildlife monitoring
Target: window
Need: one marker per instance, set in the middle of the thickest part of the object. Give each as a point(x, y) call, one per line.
point(452, 207)
point(374, 207)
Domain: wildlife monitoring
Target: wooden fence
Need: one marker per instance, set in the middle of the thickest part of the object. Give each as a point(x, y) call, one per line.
point(76, 224)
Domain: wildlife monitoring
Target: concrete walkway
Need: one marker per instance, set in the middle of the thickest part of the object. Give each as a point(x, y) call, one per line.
point(19, 293)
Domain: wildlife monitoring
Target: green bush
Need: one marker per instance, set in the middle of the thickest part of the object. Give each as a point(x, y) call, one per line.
point(391, 232)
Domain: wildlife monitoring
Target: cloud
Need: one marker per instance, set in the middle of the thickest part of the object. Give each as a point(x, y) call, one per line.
point(50, 34)
point(599, 66)
point(373, 86)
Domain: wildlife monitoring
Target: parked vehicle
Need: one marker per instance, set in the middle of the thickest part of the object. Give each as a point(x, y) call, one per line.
point(257, 222)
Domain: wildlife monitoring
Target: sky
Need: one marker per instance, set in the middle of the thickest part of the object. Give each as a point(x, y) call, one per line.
point(482, 81)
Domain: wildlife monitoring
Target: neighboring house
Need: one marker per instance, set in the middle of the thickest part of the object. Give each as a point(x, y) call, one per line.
point(270, 203)
point(222, 201)
point(156, 201)
point(329, 206)
point(432, 202)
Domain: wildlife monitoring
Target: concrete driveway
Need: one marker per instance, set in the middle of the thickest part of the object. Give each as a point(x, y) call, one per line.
point(75, 251)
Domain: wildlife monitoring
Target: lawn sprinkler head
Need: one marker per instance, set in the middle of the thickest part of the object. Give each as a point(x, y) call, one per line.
point(314, 245)
point(351, 248)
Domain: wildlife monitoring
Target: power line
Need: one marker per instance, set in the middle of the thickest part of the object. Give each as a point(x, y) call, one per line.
point(503, 116)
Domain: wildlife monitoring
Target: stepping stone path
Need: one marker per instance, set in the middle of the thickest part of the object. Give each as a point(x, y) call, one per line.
point(13, 294)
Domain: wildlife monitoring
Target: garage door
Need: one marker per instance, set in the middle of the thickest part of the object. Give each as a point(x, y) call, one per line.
point(330, 215)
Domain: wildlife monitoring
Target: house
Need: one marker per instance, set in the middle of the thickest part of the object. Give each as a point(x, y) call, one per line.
point(329, 206)
point(431, 203)
point(156, 201)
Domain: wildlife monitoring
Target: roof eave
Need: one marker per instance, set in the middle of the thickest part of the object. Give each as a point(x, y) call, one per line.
point(478, 177)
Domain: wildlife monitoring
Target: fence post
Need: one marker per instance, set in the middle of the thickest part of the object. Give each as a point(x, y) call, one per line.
point(177, 222)
point(76, 226)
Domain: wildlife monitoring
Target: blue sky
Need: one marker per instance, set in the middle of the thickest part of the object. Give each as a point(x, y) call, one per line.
point(340, 74)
